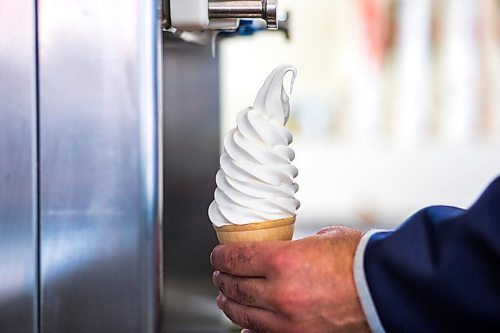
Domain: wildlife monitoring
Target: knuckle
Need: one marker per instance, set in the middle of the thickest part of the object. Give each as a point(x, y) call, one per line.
point(283, 261)
point(252, 323)
point(239, 255)
point(288, 301)
point(330, 229)
point(278, 260)
point(246, 320)
point(229, 313)
point(238, 289)
point(245, 292)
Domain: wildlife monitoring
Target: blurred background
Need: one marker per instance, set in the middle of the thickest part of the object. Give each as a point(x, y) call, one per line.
point(396, 106)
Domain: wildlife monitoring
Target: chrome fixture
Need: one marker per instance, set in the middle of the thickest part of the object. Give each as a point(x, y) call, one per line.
point(245, 9)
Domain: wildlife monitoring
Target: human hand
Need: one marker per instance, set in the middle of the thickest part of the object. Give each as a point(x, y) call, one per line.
point(300, 286)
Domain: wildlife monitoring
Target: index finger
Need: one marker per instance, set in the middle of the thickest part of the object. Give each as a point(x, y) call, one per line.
point(244, 259)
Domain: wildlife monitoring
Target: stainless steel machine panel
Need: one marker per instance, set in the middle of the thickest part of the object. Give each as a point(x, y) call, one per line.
point(18, 197)
point(191, 115)
point(99, 195)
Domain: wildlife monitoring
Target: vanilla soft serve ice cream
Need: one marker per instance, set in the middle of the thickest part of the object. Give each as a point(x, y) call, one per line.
point(255, 182)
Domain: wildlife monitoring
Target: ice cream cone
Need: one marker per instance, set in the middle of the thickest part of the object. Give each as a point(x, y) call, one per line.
point(257, 232)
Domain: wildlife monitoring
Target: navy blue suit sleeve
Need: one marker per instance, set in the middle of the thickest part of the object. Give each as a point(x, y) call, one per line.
point(440, 271)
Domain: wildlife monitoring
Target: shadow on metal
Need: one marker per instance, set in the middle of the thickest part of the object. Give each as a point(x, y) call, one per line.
point(191, 159)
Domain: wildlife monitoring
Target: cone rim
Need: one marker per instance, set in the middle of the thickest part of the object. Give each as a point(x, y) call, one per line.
point(256, 226)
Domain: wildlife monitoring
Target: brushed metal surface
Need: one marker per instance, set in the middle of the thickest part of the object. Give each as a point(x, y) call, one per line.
point(239, 9)
point(236, 8)
point(18, 194)
point(100, 214)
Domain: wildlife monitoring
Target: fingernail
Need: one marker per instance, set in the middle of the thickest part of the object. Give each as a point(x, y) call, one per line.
point(214, 276)
point(213, 254)
point(219, 301)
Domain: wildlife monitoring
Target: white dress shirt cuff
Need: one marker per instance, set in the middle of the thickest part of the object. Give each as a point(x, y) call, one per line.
point(362, 286)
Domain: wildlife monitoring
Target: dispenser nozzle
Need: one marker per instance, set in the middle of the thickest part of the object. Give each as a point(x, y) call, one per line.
point(244, 9)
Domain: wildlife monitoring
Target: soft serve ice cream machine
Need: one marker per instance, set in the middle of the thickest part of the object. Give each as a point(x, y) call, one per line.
point(200, 21)
point(109, 143)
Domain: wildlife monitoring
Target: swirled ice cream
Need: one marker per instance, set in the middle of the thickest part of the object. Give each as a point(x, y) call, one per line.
point(255, 182)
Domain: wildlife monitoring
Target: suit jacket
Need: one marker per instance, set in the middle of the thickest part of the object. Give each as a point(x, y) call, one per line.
point(439, 271)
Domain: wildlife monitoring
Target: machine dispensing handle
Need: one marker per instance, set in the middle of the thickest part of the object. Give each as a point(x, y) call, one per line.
point(245, 9)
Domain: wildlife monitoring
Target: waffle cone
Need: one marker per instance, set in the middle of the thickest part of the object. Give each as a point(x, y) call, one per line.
point(257, 232)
